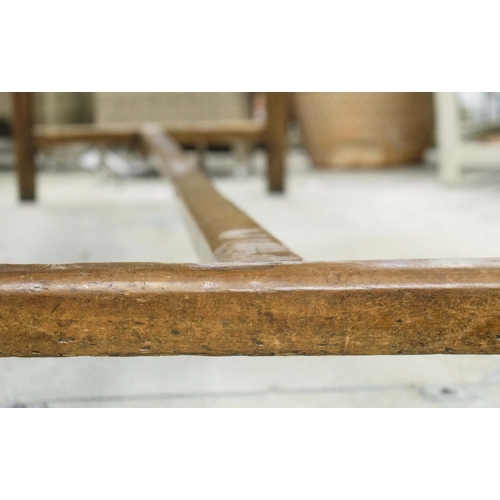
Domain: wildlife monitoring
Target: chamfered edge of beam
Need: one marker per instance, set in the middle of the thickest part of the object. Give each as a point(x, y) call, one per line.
point(250, 276)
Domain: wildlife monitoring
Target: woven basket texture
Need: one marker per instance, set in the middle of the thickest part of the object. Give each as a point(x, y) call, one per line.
point(365, 129)
point(116, 107)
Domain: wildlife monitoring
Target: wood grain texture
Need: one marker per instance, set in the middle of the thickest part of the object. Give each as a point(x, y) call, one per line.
point(220, 231)
point(24, 144)
point(277, 117)
point(351, 308)
point(220, 132)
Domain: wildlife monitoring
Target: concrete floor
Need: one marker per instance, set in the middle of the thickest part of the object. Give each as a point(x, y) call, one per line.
point(390, 214)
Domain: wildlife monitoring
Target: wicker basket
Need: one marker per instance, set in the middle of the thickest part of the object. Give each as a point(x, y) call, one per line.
point(365, 129)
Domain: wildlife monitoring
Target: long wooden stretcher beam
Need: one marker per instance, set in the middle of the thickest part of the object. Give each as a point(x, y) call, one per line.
point(406, 307)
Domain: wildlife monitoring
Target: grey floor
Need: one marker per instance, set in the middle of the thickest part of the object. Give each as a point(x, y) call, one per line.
point(390, 214)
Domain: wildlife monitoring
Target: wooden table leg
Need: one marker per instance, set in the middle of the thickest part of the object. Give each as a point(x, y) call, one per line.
point(24, 144)
point(276, 139)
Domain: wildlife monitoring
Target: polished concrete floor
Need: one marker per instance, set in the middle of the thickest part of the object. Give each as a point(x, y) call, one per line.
point(390, 214)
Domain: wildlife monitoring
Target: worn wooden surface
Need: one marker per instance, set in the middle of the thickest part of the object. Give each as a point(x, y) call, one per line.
point(220, 231)
point(400, 307)
point(277, 117)
point(24, 144)
point(220, 132)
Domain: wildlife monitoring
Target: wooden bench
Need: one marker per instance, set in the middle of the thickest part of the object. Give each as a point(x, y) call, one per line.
point(253, 296)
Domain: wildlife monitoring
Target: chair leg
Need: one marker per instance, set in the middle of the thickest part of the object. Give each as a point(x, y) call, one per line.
point(277, 115)
point(24, 144)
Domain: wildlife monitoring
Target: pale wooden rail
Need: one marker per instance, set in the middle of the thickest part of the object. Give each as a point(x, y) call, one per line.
point(260, 299)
